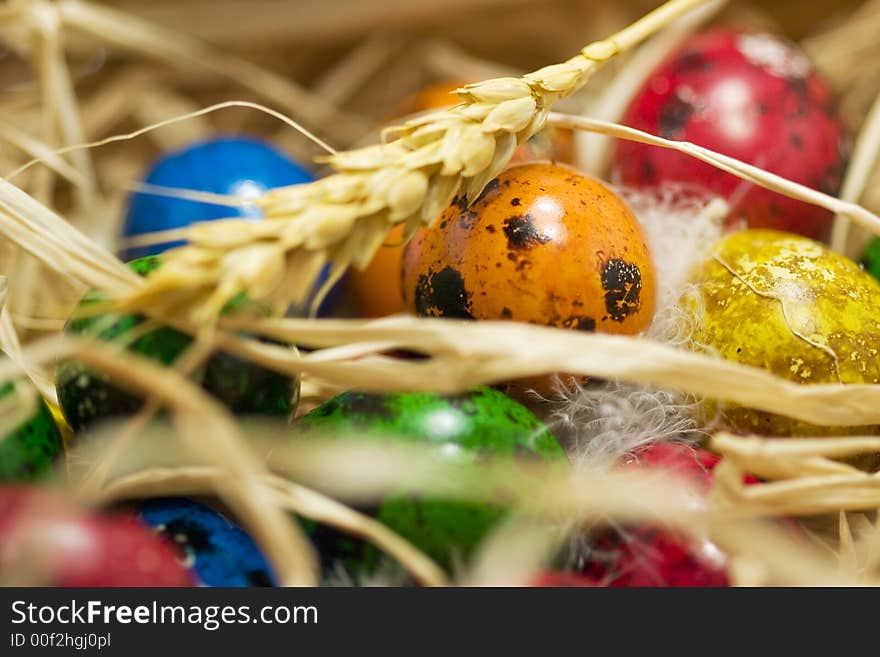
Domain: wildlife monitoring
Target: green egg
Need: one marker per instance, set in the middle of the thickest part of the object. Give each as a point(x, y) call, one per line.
point(871, 258)
point(87, 396)
point(28, 452)
point(480, 422)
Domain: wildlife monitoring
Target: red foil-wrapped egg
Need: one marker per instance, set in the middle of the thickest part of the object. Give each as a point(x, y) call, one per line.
point(751, 96)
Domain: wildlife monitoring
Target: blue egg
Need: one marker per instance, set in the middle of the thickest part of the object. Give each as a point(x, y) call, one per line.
point(217, 551)
point(234, 166)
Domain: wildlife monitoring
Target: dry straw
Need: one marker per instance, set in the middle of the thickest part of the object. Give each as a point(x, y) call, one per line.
point(362, 473)
point(343, 219)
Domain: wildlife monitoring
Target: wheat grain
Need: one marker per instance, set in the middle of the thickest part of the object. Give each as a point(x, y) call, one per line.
point(344, 218)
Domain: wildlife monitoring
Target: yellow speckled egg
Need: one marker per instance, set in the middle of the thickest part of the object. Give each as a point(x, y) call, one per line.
point(791, 306)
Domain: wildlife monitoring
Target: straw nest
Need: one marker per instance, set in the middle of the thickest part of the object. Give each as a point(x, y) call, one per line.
point(94, 91)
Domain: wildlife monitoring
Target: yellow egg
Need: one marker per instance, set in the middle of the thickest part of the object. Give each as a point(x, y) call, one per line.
point(789, 305)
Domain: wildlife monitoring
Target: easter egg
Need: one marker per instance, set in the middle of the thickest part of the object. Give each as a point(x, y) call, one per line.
point(47, 541)
point(692, 464)
point(86, 396)
point(462, 428)
point(871, 258)
point(652, 557)
point(791, 306)
point(218, 552)
point(377, 288)
point(29, 450)
point(754, 97)
point(542, 244)
point(431, 97)
point(647, 555)
point(233, 166)
point(561, 579)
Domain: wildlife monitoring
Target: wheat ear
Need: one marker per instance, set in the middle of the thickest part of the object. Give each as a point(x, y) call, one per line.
point(345, 217)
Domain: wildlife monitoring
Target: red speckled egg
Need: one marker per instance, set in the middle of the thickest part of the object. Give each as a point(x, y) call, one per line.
point(46, 540)
point(561, 579)
point(648, 556)
point(751, 96)
point(693, 464)
point(653, 556)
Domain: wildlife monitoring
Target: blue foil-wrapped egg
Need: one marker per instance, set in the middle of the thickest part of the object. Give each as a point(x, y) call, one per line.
point(235, 166)
point(218, 552)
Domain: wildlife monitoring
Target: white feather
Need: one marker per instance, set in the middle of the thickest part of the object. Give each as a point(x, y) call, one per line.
point(603, 420)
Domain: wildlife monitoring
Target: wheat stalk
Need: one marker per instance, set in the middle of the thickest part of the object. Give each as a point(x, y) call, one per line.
point(345, 217)
point(594, 149)
point(843, 207)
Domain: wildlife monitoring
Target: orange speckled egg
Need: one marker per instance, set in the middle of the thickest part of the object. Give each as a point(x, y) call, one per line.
point(377, 289)
point(542, 244)
point(434, 96)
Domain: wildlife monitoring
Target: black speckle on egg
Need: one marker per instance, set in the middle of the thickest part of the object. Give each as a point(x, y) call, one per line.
point(674, 116)
point(442, 294)
point(463, 402)
point(467, 220)
point(580, 323)
point(367, 405)
point(648, 171)
point(522, 234)
point(622, 282)
point(694, 61)
point(194, 535)
point(798, 85)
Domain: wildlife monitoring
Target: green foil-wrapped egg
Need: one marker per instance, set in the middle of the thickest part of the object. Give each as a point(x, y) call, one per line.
point(791, 306)
point(871, 258)
point(481, 421)
point(29, 450)
point(86, 396)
